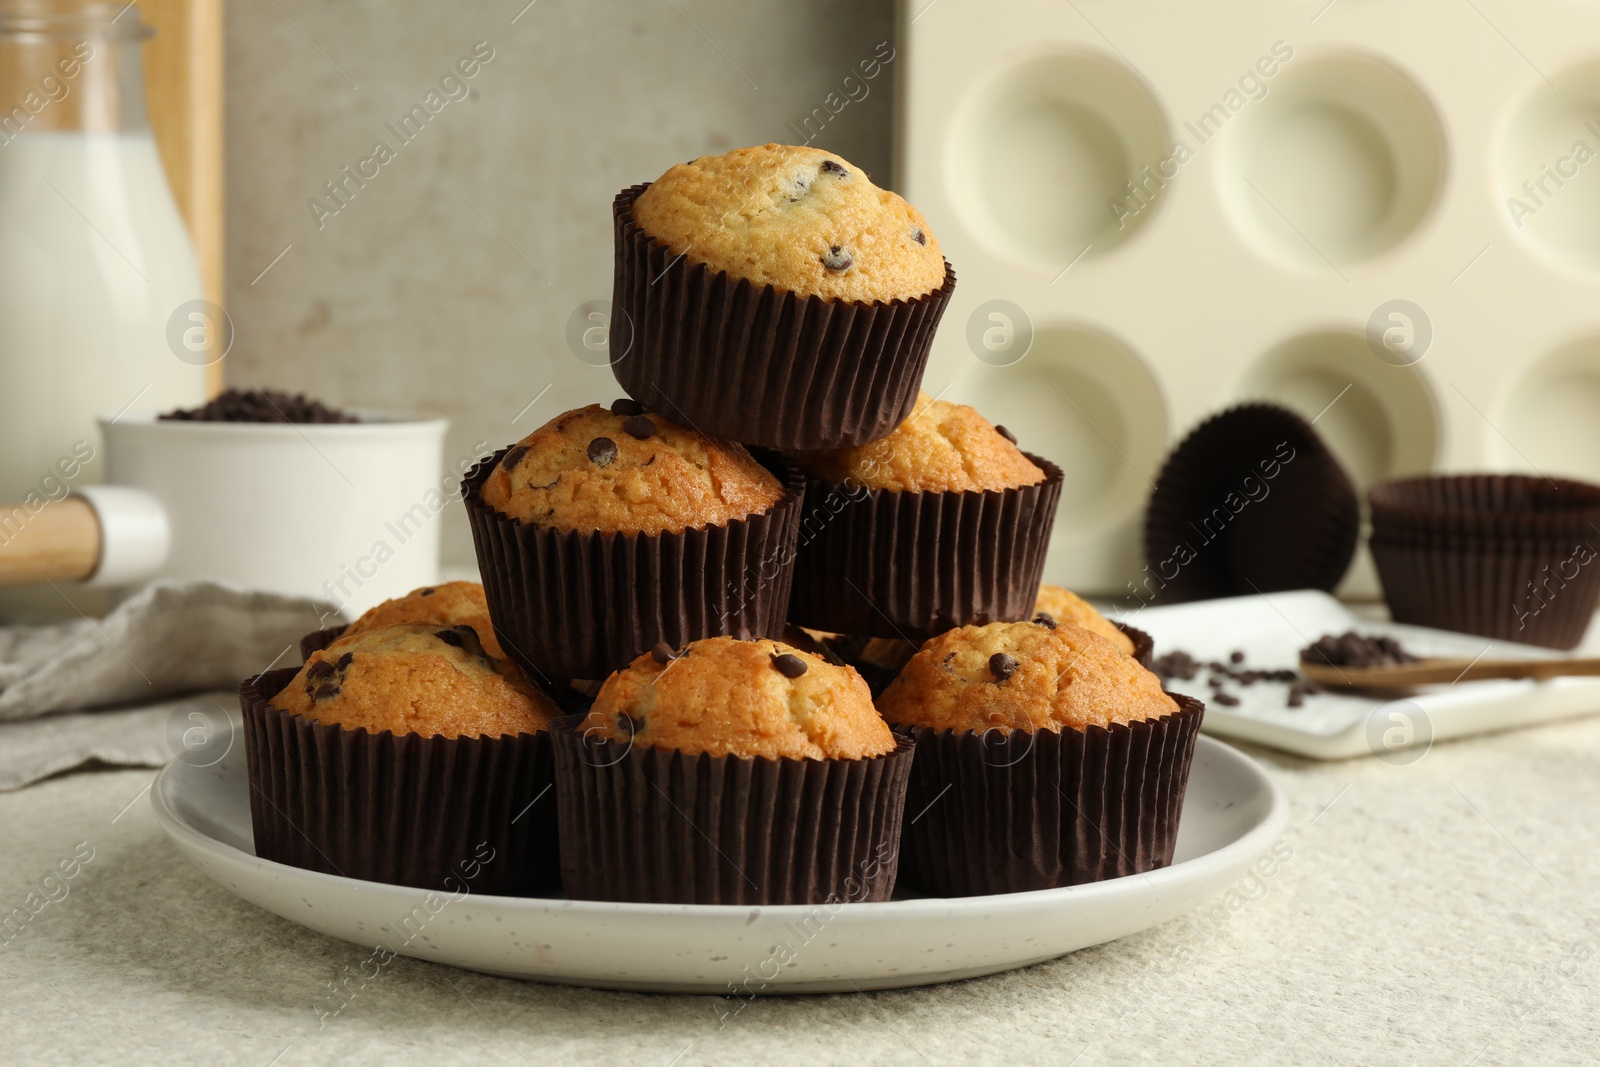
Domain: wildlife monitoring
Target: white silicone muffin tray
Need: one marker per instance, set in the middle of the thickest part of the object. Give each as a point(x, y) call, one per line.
point(1158, 210)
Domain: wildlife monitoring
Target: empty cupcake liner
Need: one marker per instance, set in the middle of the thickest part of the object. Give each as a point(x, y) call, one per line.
point(658, 826)
point(321, 639)
point(759, 364)
point(1144, 645)
point(1485, 511)
point(1533, 595)
point(1251, 501)
point(568, 604)
point(468, 814)
point(913, 565)
point(1008, 811)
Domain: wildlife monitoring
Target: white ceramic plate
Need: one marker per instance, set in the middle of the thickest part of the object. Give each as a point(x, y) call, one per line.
point(1231, 815)
point(1271, 630)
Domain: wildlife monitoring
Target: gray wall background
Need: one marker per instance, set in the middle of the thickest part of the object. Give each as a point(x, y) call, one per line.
point(446, 283)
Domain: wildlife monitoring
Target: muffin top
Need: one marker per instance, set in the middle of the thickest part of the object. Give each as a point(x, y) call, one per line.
point(417, 678)
point(443, 605)
point(794, 218)
point(1065, 606)
point(730, 697)
point(1022, 676)
point(629, 471)
point(941, 448)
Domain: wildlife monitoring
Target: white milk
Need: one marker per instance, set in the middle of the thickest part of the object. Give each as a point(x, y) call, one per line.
point(94, 260)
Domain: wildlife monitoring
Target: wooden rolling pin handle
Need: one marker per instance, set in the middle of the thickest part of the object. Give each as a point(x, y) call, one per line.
point(60, 541)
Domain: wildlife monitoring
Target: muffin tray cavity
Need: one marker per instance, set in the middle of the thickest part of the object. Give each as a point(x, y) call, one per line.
point(1162, 210)
point(1231, 815)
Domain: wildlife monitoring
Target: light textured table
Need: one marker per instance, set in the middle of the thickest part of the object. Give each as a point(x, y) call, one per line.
point(1442, 912)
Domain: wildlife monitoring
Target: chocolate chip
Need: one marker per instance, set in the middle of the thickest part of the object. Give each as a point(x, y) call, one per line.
point(513, 457)
point(639, 427)
point(1296, 699)
point(1235, 657)
point(837, 258)
point(1046, 620)
point(627, 406)
point(320, 669)
point(628, 724)
point(662, 653)
point(830, 167)
point(325, 691)
point(1227, 700)
point(1001, 666)
point(789, 665)
point(602, 450)
point(427, 592)
point(346, 659)
point(918, 236)
point(450, 637)
point(1007, 434)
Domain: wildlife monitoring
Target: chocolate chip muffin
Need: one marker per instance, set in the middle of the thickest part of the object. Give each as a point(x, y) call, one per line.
point(1068, 608)
point(795, 218)
point(943, 523)
point(730, 772)
point(1055, 759)
point(416, 678)
point(443, 605)
point(728, 697)
point(627, 470)
point(941, 448)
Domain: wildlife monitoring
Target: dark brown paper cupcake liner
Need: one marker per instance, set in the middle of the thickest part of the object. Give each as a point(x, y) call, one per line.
point(1008, 811)
point(657, 826)
point(913, 565)
point(1533, 595)
point(316, 642)
point(758, 364)
point(1144, 646)
point(440, 813)
point(581, 605)
point(1218, 525)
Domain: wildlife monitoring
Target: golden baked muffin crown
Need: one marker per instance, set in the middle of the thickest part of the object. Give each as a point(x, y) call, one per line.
point(445, 604)
point(626, 470)
point(418, 678)
point(1065, 606)
point(794, 218)
point(731, 697)
point(941, 448)
point(1022, 676)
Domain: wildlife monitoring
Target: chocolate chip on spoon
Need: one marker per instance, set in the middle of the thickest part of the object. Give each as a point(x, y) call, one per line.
point(1002, 666)
point(639, 427)
point(789, 665)
point(602, 450)
point(837, 257)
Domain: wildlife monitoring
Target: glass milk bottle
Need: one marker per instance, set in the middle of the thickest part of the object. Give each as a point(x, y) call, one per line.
point(94, 257)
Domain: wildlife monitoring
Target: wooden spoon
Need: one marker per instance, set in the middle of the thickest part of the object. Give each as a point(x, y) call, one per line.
point(1443, 672)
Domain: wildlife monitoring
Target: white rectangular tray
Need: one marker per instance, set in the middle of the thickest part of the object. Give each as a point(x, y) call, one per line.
point(1271, 630)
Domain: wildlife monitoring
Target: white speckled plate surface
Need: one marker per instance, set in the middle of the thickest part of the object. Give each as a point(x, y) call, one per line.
point(1232, 813)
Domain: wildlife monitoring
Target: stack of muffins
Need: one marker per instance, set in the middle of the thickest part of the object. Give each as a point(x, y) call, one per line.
point(649, 567)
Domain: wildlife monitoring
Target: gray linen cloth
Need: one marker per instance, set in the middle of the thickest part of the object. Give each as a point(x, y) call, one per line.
point(138, 686)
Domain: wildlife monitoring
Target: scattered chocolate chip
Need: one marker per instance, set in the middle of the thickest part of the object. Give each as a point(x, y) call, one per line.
point(427, 592)
point(513, 457)
point(1007, 434)
point(320, 669)
point(1002, 666)
point(1046, 620)
point(1227, 700)
point(346, 659)
point(450, 637)
point(602, 450)
point(830, 167)
point(639, 427)
point(627, 406)
point(662, 653)
point(1235, 657)
point(325, 691)
point(918, 236)
point(1175, 664)
point(837, 258)
point(1296, 699)
point(789, 665)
